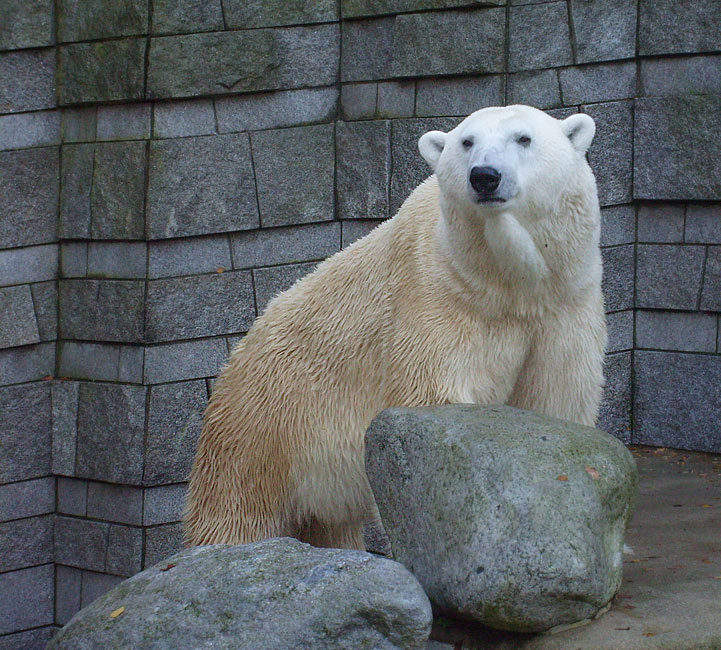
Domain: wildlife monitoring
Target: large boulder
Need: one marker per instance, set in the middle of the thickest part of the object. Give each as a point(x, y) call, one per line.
point(506, 517)
point(279, 593)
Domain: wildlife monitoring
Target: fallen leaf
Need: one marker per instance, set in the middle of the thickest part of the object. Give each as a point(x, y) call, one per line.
point(47, 377)
point(705, 560)
point(650, 633)
point(220, 269)
point(706, 505)
point(167, 568)
point(562, 477)
point(593, 473)
point(117, 612)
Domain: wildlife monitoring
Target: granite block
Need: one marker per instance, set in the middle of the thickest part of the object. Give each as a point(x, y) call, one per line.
point(703, 224)
point(358, 101)
point(269, 282)
point(79, 124)
point(18, 326)
point(539, 37)
point(164, 504)
point(396, 99)
point(598, 83)
point(360, 8)
point(26, 23)
point(458, 96)
point(45, 299)
point(123, 122)
point(34, 639)
point(539, 88)
point(26, 130)
point(618, 277)
point(64, 426)
point(28, 80)
point(68, 588)
point(618, 225)
point(669, 277)
point(604, 30)
point(676, 331)
point(188, 256)
point(161, 542)
point(176, 119)
point(27, 363)
point(117, 260)
point(355, 229)
point(27, 498)
point(661, 223)
point(85, 20)
point(26, 542)
point(244, 14)
point(711, 292)
point(187, 16)
point(616, 405)
point(681, 75)
point(664, 30)
point(96, 584)
point(31, 604)
point(125, 550)
point(620, 331)
point(100, 362)
point(367, 51)
point(81, 543)
point(187, 360)
point(72, 496)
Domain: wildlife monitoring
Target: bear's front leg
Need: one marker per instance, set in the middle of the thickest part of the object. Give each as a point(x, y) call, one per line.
point(563, 374)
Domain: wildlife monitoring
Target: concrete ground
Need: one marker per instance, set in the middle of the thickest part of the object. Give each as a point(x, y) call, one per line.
point(671, 593)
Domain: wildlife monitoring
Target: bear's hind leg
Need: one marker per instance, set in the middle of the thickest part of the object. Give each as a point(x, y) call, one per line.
point(324, 535)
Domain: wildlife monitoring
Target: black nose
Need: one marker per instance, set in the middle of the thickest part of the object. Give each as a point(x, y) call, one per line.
point(485, 180)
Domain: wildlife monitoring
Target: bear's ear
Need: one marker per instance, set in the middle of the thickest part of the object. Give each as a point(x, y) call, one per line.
point(580, 129)
point(431, 147)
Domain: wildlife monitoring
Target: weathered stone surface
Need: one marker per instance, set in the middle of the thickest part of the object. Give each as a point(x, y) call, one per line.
point(183, 16)
point(27, 498)
point(72, 496)
point(676, 399)
point(102, 310)
point(243, 61)
point(73, 259)
point(199, 306)
point(367, 50)
point(618, 277)
point(661, 223)
point(661, 32)
point(187, 360)
point(355, 229)
point(25, 130)
point(64, 426)
point(472, 503)
point(182, 118)
point(125, 550)
point(76, 176)
point(26, 363)
point(620, 331)
point(703, 224)
point(79, 124)
point(539, 37)
point(284, 160)
point(96, 584)
point(676, 331)
point(618, 225)
point(188, 256)
point(200, 185)
point(276, 109)
point(175, 418)
point(81, 543)
point(117, 260)
point(123, 122)
point(242, 14)
point(101, 71)
point(668, 277)
point(396, 99)
point(163, 504)
point(118, 503)
point(68, 589)
point(611, 153)
point(364, 167)
point(285, 245)
point(681, 75)
point(359, 8)
point(26, 23)
point(35, 639)
point(18, 326)
point(84, 20)
point(675, 155)
point(269, 282)
point(358, 101)
point(308, 597)
point(28, 80)
point(161, 542)
point(458, 96)
point(711, 293)
point(598, 83)
point(111, 419)
point(25, 432)
point(447, 43)
point(31, 604)
point(604, 31)
point(45, 299)
point(26, 542)
point(409, 169)
point(539, 88)
point(29, 186)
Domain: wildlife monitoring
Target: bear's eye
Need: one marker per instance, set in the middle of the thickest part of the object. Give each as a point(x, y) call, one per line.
point(524, 140)
point(467, 143)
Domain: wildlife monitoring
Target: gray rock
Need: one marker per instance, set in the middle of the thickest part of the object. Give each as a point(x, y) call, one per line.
point(358, 101)
point(185, 16)
point(711, 293)
point(18, 326)
point(446, 42)
point(620, 331)
point(506, 517)
point(29, 182)
point(661, 223)
point(604, 31)
point(64, 426)
point(703, 224)
point(27, 498)
point(242, 14)
point(161, 542)
point(111, 427)
point(355, 229)
point(175, 418)
point(367, 50)
point(676, 331)
point(45, 299)
point(396, 98)
point(101, 71)
point(26, 23)
point(611, 152)
point(117, 503)
point(25, 130)
point(681, 75)
point(661, 32)
point(284, 160)
point(178, 119)
point(618, 277)
point(307, 598)
point(72, 496)
point(31, 604)
point(188, 256)
point(458, 96)
point(288, 245)
point(364, 168)
point(618, 225)
point(25, 422)
point(28, 80)
point(26, 542)
point(669, 277)
point(688, 167)
point(163, 504)
point(677, 397)
point(269, 282)
point(102, 310)
point(358, 8)
point(598, 83)
point(243, 61)
point(186, 360)
point(123, 122)
point(200, 185)
point(276, 109)
point(539, 37)
point(199, 306)
point(539, 88)
point(84, 20)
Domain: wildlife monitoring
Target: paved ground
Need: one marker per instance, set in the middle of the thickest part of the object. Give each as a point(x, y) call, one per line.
point(671, 593)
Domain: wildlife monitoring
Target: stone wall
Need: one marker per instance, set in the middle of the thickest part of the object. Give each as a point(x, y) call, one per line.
point(166, 167)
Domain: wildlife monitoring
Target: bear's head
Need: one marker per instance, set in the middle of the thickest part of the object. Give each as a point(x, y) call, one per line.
point(514, 159)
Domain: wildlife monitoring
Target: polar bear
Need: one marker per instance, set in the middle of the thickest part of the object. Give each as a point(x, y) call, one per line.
point(484, 288)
